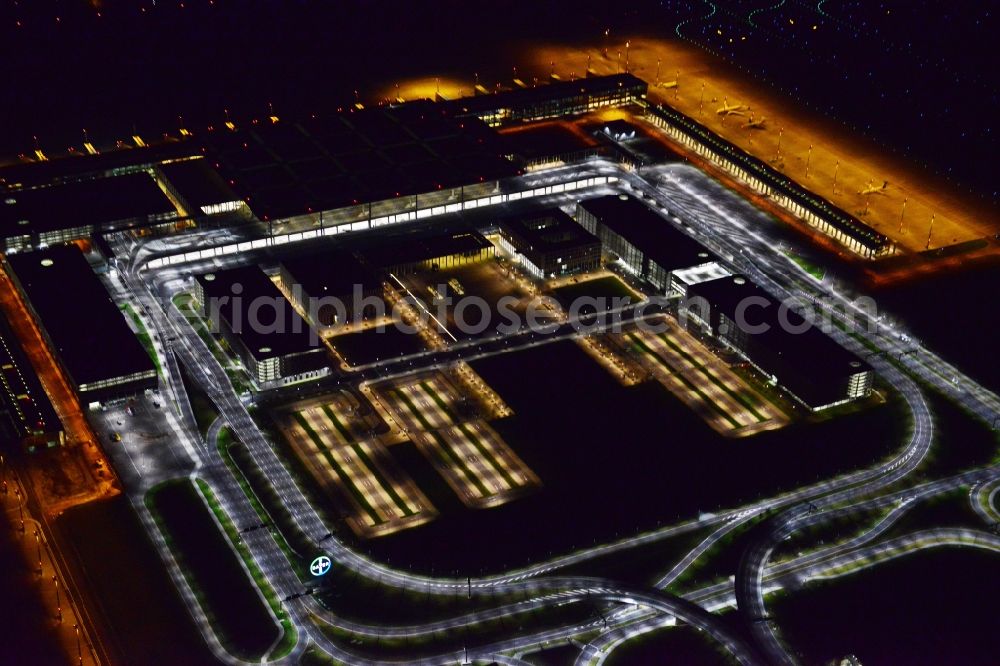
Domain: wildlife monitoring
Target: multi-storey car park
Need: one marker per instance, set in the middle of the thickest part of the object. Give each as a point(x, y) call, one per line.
point(273, 341)
point(646, 244)
point(782, 344)
point(292, 179)
point(72, 211)
point(197, 188)
point(103, 361)
point(331, 286)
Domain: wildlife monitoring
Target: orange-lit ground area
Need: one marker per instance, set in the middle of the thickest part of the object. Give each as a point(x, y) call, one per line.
point(702, 381)
point(825, 157)
point(704, 85)
point(45, 568)
point(77, 472)
point(336, 439)
point(449, 430)
point(51, 481)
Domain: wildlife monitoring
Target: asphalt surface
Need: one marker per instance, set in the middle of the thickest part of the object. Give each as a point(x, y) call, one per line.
point(725, 223)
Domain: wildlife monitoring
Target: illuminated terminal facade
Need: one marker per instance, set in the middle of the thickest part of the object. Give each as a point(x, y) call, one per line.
point(780, 343)
point(428, 251)
point(197, 188)
point(275, 344)
point(104, 362)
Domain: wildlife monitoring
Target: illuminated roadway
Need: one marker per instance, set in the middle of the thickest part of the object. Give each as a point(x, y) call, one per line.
point(716, 222)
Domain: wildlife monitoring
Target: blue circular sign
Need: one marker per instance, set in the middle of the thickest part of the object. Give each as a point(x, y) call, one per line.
point(320, 565)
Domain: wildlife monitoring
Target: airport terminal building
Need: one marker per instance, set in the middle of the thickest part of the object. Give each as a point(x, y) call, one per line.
point(817, 212)
point(274, 342)
point(811, 366)
point(87, 333)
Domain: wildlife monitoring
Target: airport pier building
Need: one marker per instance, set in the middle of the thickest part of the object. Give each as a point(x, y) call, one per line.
point(549, 243)
point(645, 243)
point(559, 98)
point(799, 356)
point(275, 344)
point(87, 333)
point(817, 212)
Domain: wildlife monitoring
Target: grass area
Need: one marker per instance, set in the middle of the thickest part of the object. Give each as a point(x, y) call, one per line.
point(144, 337)
point(202, 406)
point(947, 510)
point(940, 600)
point(127, 586)
point(214, 572)
point(809, 267)
point(288, 634)
point(604, 289)
point(961, 441)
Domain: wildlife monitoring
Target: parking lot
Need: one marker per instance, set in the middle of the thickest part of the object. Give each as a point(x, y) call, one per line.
point(335, 436)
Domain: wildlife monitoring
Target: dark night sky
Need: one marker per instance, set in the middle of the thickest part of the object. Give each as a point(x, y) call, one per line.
point(912, 75)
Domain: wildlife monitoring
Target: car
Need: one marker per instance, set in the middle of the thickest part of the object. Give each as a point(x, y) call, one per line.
point(115, 437)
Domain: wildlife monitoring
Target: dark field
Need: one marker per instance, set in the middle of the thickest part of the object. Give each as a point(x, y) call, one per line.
point(133, 593)
point(961, 441)
point(605, 290)
point(372, 345)
point(231, 601)
point(676, 645)
point(614, 461)
point(952, 314)
point(24, 634)
point(935, 607)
